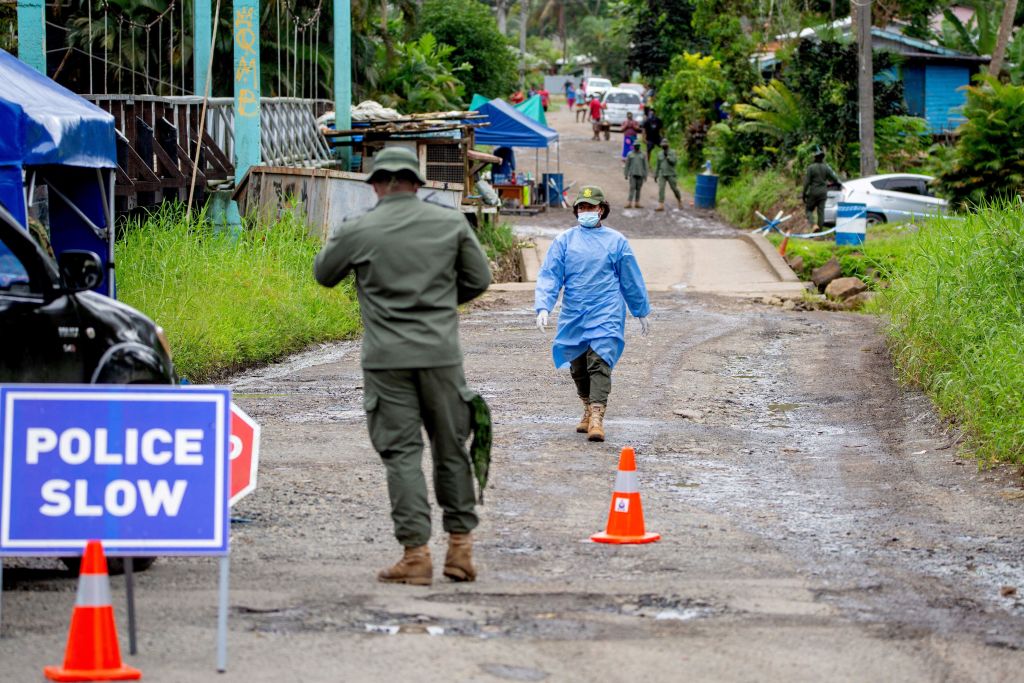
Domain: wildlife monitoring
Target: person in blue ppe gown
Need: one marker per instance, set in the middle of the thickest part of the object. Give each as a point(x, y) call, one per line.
point(594, 269)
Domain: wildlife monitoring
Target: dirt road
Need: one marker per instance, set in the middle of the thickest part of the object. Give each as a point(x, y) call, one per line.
point(817, 522)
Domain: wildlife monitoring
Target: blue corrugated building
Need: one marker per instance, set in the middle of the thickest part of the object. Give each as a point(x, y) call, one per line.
point(933, 77)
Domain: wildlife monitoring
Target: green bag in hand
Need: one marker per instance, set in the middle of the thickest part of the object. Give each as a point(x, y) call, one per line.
point(480, 449)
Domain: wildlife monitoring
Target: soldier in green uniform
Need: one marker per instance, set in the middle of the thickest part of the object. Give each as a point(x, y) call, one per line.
point(816, 183)
point(665, 172)
point(414, 263)
point(636, 173)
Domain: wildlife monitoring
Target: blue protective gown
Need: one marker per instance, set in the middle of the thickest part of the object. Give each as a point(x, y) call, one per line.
point(600, 276)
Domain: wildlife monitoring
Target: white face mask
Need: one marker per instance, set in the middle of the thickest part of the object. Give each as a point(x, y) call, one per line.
point(589, 219)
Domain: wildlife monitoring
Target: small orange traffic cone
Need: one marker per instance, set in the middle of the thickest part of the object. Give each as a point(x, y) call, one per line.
point(626, 517)
point(92, 653)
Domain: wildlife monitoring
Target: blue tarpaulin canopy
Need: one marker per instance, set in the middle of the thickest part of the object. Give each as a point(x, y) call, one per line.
point(511, 128)
point(51, 135)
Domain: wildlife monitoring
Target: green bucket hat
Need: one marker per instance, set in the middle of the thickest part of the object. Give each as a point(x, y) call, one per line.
point(395, 159)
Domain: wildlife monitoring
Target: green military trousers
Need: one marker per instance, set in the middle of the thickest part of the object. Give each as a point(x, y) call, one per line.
point(636, 183)
point(593, 377)
point(671, 180)
point(399, 403)
point(815, 204)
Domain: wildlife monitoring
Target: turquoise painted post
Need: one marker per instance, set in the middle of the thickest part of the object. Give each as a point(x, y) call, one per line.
point(32, 34)
point(247, 85)
point(343, 72)
point(201, 28)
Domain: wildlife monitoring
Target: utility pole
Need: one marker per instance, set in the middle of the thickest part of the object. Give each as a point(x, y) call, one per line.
point(865, 86)
point(524, 15)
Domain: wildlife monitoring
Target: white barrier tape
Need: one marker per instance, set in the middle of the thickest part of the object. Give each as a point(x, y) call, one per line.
point(625, 482)
point(93, 591)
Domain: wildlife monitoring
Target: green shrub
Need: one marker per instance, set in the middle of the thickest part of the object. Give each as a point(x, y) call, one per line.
point(988, 163)
point(422, 78)
point(901, 143)
point(957, 324)
point(228, 301)
point(686, 100)
point(470, 28)
point(768, 192)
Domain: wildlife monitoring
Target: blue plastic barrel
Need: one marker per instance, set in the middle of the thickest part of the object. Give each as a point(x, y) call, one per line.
point(553, 186)
point(851, 223)
point(707, 188)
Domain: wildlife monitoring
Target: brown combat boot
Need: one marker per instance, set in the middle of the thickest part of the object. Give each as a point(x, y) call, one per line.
point(680, 202)
point(661, 206)
point(458, 563)
point(636, 205)
point(584, 426)
point(414, 568)
point(596, 430)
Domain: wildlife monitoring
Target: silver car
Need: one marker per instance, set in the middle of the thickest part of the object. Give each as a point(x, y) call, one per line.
point(889, 197)
point(620, 101)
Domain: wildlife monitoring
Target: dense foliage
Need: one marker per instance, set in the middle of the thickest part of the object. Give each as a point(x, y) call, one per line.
point(421, 78)
point(988, 161)
point(661, 29)
point(469, 27)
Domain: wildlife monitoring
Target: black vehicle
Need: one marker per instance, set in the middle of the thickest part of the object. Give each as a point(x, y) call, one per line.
point(54, 330)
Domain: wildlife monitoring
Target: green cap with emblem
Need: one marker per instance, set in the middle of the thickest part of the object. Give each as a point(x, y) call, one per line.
point(590, 194)
point(395, 159)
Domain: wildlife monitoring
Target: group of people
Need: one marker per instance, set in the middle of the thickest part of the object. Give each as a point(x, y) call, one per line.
point(518, 97)
point(637, 163)
point(414, 263)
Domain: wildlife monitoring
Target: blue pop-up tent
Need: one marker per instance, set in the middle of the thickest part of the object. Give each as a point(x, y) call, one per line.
point(53, 137)
point(509, 127)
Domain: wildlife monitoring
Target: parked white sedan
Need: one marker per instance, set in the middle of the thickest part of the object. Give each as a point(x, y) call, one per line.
point(889, 197)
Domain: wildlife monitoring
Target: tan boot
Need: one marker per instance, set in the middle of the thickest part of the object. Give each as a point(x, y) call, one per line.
point(661, 206)
point(414, 568)
point(596, 431)
point(458, 563)
point(680, 201)
point(584, 426)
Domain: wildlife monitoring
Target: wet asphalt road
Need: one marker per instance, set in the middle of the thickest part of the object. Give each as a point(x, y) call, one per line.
point(817, 523)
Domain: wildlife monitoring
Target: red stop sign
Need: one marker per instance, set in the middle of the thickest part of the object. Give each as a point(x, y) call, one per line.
point(245, 454)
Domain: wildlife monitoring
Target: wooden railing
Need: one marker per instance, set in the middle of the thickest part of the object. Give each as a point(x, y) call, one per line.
point(158, 137)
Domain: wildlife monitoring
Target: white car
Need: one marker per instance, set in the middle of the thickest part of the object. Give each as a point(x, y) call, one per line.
point(618, 102)
point(889, 197)
point(597, 87)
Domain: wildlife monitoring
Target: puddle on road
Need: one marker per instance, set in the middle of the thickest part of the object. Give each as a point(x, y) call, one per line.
point(549, 616)
point(784, 407)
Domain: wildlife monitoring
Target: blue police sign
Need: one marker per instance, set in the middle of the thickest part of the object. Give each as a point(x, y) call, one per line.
point(144, 469)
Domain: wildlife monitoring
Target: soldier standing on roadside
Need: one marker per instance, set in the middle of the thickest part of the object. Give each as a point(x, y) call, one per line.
point(414, 263)
point(636, 173)
point(816, 188)
point(665, 172)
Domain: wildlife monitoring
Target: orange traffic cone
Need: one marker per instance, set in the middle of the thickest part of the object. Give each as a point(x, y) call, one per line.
point(626, 517)
point(92, 653)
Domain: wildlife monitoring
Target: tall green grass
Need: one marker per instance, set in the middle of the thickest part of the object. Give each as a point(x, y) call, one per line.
point(883, 253)
point(957, 324)
point(227, 300)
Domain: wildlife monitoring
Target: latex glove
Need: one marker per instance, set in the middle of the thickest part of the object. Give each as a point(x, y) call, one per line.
point(542, 320)
point(645, 326)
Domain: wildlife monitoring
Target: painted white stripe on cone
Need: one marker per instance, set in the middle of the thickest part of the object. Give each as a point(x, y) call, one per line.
point(93, 591)
point(625, 482)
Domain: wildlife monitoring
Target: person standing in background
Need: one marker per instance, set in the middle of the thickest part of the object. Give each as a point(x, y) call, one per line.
point(630, 131)
point(636, 173)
